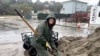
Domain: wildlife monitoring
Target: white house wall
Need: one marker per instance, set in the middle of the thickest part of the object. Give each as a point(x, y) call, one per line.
point(68, 8)
point(72, 6)
point(81, 6)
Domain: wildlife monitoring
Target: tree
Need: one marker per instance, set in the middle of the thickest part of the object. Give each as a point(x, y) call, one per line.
point(53, 6)
point(24, 1)
point(7, 7)
point(5, 1)
point(38, 6)
point(56, 7)
point(4, 7)
point(25, 8)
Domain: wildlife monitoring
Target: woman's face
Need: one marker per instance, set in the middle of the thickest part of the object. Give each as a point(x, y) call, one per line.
point(51, 21)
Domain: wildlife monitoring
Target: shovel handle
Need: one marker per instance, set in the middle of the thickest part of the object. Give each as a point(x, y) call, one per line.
point(18, 13)
point(35, 32)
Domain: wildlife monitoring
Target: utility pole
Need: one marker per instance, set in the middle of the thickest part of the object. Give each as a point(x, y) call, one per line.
point(99, 3)
point(75, 14)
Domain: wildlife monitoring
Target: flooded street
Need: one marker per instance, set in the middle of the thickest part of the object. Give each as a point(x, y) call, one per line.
point(10, 44)
point(11, 29)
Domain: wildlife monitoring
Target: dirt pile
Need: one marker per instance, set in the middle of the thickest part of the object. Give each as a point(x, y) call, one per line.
point(80, 46)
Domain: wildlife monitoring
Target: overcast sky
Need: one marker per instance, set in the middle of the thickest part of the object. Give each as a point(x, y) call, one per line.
point(90, 2)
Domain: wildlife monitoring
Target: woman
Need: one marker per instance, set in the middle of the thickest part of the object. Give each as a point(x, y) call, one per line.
point(44, 36)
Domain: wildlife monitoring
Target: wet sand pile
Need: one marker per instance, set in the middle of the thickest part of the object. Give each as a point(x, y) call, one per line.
point(80, 46)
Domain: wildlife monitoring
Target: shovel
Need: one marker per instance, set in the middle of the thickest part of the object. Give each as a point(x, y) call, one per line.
point(35, 32)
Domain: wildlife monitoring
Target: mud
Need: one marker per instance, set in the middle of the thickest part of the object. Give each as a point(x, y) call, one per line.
point(79, 46)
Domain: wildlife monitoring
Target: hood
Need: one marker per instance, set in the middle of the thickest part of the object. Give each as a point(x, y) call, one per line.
point(47, 20)
point(51, 15)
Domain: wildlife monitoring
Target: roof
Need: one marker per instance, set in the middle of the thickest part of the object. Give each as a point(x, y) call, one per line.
point(75, 1)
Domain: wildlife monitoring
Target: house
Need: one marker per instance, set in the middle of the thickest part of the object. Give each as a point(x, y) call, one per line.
point(72, 6)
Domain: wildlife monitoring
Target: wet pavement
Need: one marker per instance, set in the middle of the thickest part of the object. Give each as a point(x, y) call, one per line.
point(10, 35)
